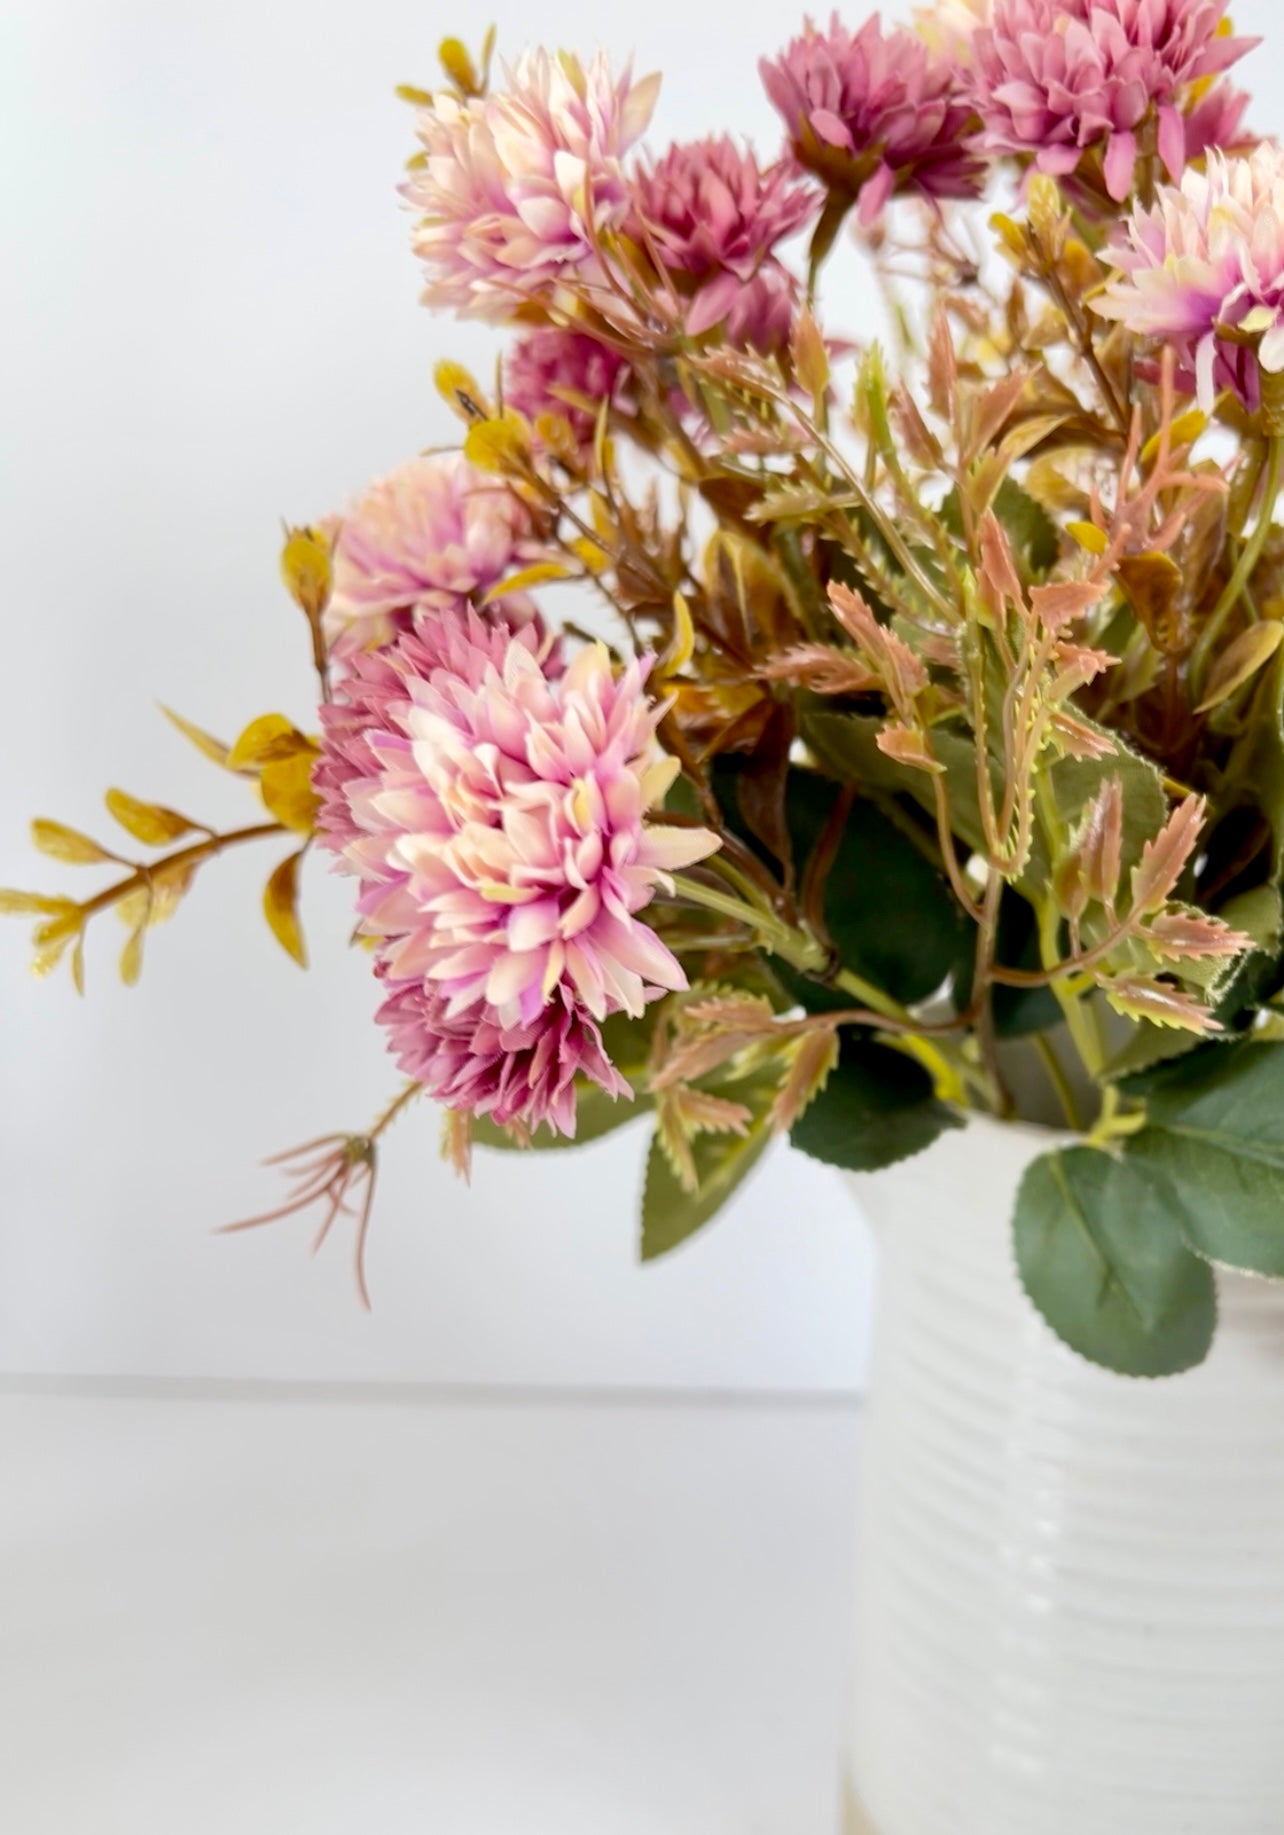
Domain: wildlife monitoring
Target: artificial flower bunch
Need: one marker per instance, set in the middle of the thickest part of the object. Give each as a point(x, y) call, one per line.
point(914, 743)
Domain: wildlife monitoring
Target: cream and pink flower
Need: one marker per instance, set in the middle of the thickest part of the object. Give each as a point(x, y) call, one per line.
point(946, 28)
point(712, 219)
point(1207, 260)
point(497, 817)
point(515, 186)
point(436, 533)
point(1057, 78)
point(874, 113)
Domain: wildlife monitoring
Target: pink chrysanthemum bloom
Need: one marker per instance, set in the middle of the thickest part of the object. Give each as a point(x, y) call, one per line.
point(874, 113)
point(497, 819)
point(1209, 257)
point(1054, 78)
point(713, 219)
point(434, 533)
point(516, 184)
point(558, 371)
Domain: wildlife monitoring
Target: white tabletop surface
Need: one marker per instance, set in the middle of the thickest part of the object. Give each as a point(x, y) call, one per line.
point(311, 1614)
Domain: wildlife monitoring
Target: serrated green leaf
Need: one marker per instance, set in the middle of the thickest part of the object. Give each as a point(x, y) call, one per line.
point(876, 1108)
point(1214, 1145)
point(670, 1215)
point(1101, 1255)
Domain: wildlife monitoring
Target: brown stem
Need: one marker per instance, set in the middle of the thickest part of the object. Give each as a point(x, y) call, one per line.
point(192, 856)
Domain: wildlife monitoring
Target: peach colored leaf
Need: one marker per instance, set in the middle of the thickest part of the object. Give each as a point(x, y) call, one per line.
point(1164, 857)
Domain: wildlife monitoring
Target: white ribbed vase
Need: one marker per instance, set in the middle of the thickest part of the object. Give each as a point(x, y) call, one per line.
point(1070, 1592)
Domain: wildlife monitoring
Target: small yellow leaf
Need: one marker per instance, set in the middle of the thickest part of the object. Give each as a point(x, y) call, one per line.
point(1239, 661)
point(682, 644)
point(66, 924)
point(456, 61)
point(49, 955)
point(280, 906)
point(267, 740)
point(1089, 536)
point(409, 92)
point(537, 574)
point(307, 568)
point(67, 844)
point(212, 748)
point(286, 787)
point(78, 965)
point(1184, 431)
point(501, 444)
point(587, 551)
point(150, 823)
point(34, 904)
point(460, 392)
point(131, 957)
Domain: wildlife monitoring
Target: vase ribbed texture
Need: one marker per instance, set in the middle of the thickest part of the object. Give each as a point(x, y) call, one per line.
point(1070, 1592)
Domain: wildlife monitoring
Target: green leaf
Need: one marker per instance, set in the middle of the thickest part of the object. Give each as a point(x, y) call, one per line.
point(930, 940)
point(848, 744)
point(876, 1108)
point(1214, 1145)
point(670, 1215)
point(1100, 1254)
point(596, 1115)
point(1028, 527)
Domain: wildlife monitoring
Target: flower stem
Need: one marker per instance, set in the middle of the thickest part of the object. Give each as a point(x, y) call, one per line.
point(1247, 563)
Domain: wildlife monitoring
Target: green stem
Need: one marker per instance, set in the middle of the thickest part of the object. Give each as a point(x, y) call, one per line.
point(1247, 563)
point(1059, 1081)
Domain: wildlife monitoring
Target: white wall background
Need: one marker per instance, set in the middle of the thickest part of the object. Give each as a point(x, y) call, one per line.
point(209, 319)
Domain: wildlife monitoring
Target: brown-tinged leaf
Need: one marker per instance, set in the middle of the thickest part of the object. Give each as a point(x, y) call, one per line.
point(212, 748)
point(457, 1142)
point(1065, 600)
point(810, 1059)
point(746, 1012)
point(810, 357)
point(1100, 842)
point(907, 746)
point(823, 668)
point(67, 844)
point(942, 368)
point(1240, 661)
point(1153, 583)
point(993, 408)
point(1187, 934)
point(266, 740)
point(150, 823)
point(1164, 858)
point(683, 1113)
point(920, 442)
point(902, 672)
point(1069, 888)
point(1138, 997)
point(280, 907)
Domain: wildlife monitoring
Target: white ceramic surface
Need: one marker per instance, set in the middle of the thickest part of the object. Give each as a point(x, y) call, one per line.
point(1070, 1612)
